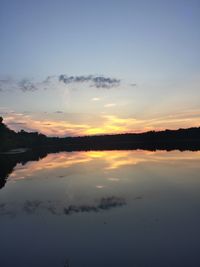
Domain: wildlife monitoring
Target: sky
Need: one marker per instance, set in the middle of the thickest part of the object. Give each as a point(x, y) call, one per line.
point(74, 67)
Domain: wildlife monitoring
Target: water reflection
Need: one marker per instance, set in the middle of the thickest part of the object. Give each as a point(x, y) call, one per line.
point(100, 208)
point(31, 164)
point(9, 161)
point(55, 208)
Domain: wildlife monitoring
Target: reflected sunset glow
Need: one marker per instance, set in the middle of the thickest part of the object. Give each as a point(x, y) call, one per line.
point(111, 160)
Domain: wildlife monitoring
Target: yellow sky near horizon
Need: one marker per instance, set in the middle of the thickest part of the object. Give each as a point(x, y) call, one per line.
point(99, 124)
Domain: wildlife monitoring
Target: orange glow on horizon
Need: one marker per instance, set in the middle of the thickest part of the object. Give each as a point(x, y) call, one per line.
point(108, 124)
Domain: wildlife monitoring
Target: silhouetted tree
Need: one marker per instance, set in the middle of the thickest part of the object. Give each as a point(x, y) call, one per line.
point(168, 139)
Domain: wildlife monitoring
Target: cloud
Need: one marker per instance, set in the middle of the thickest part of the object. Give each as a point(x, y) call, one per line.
point(59, 112)
point(133, 84)
point(69, 124)
point(50, 127)
point(5, 81)
point(51, 82)
point(95, 99)
point(7, 84)
point(17, 123)
point(109, 105)
point(95, 81)
point(27, 85)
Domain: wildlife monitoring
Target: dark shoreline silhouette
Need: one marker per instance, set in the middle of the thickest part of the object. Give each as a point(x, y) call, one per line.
point(181, 139)
point(9, 161)
point(37, 146)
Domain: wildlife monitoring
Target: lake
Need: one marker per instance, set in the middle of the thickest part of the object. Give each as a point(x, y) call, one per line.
point(102, 208)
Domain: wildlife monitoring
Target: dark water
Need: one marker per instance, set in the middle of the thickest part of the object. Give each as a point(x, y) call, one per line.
point(92, 209)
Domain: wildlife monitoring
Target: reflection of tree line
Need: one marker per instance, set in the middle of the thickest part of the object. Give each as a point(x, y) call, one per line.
point(9, 161)
point(39, 145)
point(33, 206)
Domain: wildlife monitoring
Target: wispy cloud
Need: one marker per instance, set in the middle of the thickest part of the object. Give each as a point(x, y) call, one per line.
point(30, 85)
point(49, 127)
point(99, 124)
point(96, 81)
point(95, 99)
point(109, 105)
point(8, 84)
point(27, 85)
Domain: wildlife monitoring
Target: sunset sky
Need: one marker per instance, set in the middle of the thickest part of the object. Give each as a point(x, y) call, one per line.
point(84, 67)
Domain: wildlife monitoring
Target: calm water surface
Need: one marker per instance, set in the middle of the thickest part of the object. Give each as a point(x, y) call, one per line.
point(92, 209)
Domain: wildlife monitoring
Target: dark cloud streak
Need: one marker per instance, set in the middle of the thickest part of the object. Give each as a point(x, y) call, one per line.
point(97, 81)
point(28, 85)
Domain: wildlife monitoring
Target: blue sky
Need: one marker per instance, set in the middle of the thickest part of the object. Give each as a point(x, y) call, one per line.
point(151, 44)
